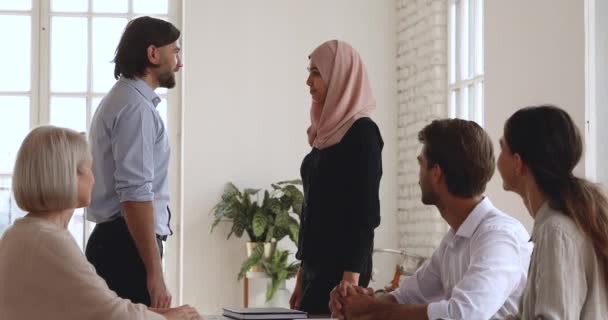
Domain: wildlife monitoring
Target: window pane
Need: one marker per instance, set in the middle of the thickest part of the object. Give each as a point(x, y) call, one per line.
point(14, 126)
point(69, 54)
point(15, 5)
point(454, 99)
point(69, 5)
point(479, 30)
point(76, 227)
point(472, 106)
point(464, 39)
point(5, 203)
point(3, 217)
point(69, 112)
point(9, 211)
point(17, 59)
point(151, 6)
point(463, 110)
point(161, 90)
point(162, 109)
point(453, 54)
point(479, 103)
point(94, 105)
point(106, 34)
point(110, 5)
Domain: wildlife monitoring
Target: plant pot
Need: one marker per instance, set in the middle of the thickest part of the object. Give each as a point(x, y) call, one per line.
point(269, 249)
point(280, 299)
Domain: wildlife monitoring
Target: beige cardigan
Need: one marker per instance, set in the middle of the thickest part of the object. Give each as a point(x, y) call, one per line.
point(44, 275)
point(565, 280)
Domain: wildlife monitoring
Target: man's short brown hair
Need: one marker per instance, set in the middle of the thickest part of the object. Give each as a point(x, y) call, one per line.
point(463, 151)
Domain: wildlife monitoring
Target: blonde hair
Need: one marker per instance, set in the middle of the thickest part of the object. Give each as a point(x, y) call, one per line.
point(45, 177)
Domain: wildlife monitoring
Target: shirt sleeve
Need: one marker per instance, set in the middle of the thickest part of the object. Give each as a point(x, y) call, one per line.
point(560, 277)
point(133, 138)
point(425, 284)
point(366, 166)
point(494, 271)
point(76, 284)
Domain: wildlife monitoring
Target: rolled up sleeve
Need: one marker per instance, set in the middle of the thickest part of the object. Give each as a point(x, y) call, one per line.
point(424, 285)
point(133, 138)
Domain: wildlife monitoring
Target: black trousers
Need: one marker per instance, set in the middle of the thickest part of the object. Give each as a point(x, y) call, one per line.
point(112, 251)
point(317, 282)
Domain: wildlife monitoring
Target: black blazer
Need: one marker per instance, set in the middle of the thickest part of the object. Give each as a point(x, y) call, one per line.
point(341, 206)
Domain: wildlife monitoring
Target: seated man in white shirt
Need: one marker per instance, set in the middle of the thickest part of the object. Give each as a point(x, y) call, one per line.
point(480, 268)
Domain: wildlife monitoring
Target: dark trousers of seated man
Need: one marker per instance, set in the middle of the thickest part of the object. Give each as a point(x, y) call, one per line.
point(112, 251)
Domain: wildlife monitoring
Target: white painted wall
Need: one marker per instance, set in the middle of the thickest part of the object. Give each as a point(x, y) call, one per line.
point(534, 54)
point(245, 112)
point(601, 73)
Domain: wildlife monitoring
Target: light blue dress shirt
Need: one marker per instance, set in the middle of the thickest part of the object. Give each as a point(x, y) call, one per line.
point(131, 153)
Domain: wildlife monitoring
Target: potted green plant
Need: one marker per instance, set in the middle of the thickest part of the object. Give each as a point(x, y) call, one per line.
point(265, 216)
point(276, 268)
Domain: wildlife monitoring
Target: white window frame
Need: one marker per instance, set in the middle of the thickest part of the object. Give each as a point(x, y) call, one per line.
point(591, 122)
point(466, 59)
point(40, 96)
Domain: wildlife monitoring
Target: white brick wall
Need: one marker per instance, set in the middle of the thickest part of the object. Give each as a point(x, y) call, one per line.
point(422, 97)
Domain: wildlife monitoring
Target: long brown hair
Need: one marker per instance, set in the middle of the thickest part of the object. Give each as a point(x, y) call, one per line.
point(550, 144)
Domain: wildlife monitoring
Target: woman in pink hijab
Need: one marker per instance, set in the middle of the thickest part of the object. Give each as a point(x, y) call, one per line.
point(341, 177)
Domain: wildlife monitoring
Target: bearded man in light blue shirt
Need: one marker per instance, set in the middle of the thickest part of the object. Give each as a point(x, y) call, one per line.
point(130, 147)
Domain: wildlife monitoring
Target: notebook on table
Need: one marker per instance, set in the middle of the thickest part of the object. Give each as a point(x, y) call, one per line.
point(264, 313)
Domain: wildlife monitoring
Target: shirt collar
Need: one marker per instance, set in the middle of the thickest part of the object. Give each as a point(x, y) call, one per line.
point(142, 87)
point(474, 218)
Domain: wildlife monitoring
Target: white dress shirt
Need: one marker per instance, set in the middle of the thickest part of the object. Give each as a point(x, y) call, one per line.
point(477, 272)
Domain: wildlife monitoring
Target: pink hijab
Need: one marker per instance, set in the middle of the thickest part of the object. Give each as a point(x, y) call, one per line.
point(349, 95)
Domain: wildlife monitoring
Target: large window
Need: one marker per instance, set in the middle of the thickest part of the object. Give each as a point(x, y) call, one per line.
point(465, 82)
point(57, 58)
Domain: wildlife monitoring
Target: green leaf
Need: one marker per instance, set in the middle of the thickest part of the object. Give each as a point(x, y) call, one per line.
point(254, 259)
point(280, 233)
point(278, 270)
point(294, 230)
point(266, 197)
point(269, 234)
point(296, 196)
point(282, 219)
point(230, 191)
point(215, 223)
point(296, 181)
point(283, 274)
point(250, 192)
point(275, 206)
point(259, 223)
point(238, 226)
point(273, 286)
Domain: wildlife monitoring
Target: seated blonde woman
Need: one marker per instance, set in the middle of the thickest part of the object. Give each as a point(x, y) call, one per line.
point(43, 273)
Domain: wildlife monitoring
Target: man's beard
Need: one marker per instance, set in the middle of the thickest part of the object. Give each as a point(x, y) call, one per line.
point(166, 79)
point(428, 196)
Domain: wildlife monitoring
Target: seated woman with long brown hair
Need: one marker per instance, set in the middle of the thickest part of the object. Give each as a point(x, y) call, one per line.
point(569, 266)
